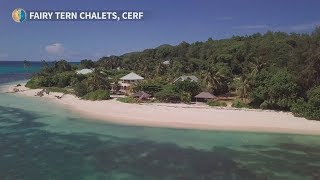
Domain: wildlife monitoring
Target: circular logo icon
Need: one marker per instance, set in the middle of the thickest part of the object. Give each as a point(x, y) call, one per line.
point(19, 15)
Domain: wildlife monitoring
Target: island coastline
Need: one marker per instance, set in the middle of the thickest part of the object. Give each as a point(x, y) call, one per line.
point(181, 116)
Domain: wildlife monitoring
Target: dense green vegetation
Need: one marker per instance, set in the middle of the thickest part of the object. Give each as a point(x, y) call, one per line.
point(274, 70)
point(182, 91)
point(310, 108)
point(61, 76)
point(239, 104)
point(216, 103)
point(97, 95)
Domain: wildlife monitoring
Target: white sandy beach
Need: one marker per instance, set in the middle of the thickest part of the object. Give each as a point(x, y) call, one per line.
point(196, 116)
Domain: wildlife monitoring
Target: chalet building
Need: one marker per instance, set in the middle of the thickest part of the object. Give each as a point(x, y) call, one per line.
point(127, 81)
point(184, 78)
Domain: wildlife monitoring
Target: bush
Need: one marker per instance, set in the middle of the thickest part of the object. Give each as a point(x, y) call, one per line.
point(190, 87)
point(185, 97)
point(314, 97)
point(62, 79)
point(77, 78)
point(81, 89)
point(127, 100)
point(38, 82)
point(97, 95)
point(86, 64)
point(239, 104)
point(151, 86)
point(62, 66)
point(275, 90)
point(300, 108)
point(216, 103)
point(306, 110)
point(309, 109)
point(168, 94)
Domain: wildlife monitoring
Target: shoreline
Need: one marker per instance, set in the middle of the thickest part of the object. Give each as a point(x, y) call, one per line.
point(181, 116)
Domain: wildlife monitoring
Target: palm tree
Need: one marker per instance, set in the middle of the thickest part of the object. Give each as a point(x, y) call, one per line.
point(257, 66)
point(61, 66)
point(97, 81)
point(243, 88)
point(212, 79)
point(147, 70)
point(45, 67)
point(160, 69)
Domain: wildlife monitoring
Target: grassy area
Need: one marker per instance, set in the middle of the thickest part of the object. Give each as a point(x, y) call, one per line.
point(216, 103)
point(127, 100)
point(97, 95)
point(239, 104)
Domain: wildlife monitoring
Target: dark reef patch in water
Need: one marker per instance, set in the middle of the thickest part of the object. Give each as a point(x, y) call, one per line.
point(28, 152)
point(162, 161)
point(300, 147)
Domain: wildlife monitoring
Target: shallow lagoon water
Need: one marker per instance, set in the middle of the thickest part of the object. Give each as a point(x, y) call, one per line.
point(41, 140)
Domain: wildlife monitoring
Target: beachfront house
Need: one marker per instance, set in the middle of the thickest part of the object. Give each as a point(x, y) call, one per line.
point(204, 97)
point(127, 81)
point(184, 78)
point(84, 71)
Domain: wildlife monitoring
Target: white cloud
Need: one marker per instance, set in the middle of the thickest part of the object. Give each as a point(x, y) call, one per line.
point(249, 27)
point(226, 18)
point(56, 48)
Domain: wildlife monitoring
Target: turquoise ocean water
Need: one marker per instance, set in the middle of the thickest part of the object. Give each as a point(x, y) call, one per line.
point(15, 70)
point(39, 140)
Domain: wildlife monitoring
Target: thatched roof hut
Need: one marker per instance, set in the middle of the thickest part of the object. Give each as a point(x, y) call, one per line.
point(205, 96)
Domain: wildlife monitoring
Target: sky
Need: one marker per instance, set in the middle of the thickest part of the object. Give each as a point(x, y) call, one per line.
point(165, 22)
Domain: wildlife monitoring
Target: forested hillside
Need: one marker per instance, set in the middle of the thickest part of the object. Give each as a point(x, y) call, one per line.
point(274, 70)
